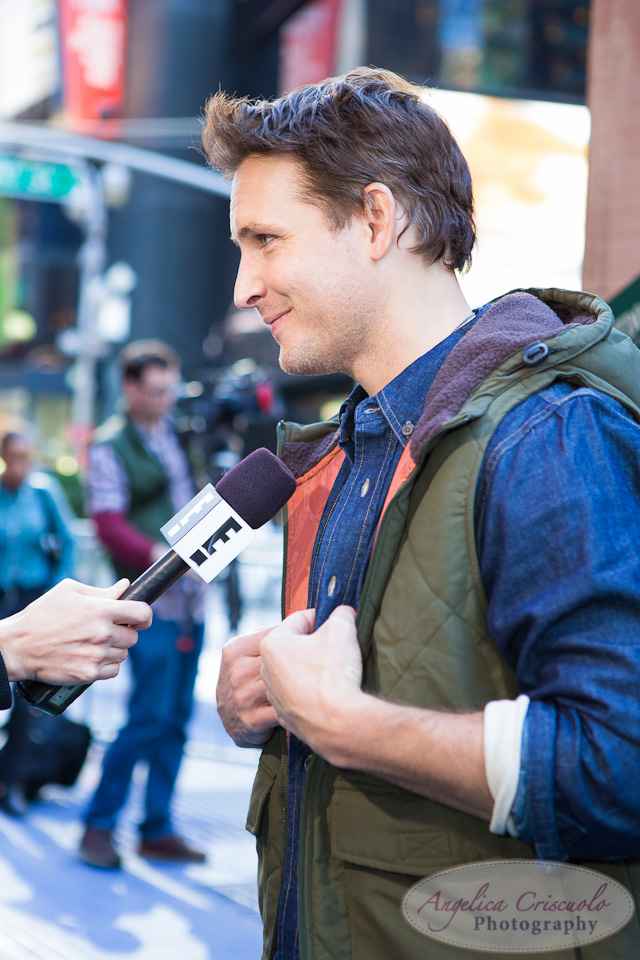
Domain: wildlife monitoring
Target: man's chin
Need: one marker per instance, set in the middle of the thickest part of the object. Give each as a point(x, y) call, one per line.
point(304, 366)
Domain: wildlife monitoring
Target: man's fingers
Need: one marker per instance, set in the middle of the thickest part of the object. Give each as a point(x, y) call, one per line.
point(343, 612)
point(246, 645)
point(300, 622)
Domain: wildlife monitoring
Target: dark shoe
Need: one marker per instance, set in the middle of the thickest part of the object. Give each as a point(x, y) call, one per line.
point(96, 849)
point(171, 849)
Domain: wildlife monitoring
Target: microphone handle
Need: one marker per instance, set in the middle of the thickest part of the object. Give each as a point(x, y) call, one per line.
point(150, 585)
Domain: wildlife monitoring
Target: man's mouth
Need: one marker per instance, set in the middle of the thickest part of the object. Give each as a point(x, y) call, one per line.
point(274, 321)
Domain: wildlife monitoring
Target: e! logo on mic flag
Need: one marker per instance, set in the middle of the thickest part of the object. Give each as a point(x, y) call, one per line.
point(208, 534)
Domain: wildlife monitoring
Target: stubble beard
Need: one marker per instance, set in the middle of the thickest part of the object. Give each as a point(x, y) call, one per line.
point(307, 364)
point(330, 354)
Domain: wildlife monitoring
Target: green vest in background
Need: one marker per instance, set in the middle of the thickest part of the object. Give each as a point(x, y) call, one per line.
point(150, 503)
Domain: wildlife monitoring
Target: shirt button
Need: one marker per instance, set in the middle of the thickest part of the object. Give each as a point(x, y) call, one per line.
point(407, 430)
point(364, 489)
point(331, 589)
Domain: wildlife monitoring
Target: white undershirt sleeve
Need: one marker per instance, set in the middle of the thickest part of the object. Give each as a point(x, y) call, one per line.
point(503, 725)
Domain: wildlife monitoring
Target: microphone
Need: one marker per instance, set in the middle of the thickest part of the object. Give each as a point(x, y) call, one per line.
point(206, 535)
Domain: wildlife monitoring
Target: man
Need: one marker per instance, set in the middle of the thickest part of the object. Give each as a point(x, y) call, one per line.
point(477, 501)
point(138, 478)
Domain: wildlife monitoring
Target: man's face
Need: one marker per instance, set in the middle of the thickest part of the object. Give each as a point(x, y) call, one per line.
point(152, 396)
point(310, 282)
point(17, 457)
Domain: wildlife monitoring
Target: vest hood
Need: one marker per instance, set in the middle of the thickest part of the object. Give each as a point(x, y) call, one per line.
point(519, 330)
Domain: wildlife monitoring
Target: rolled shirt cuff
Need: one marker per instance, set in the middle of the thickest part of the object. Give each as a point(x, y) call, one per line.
point(503, 726)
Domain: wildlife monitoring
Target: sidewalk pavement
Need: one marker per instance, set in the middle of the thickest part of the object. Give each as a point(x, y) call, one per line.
point(55, 907)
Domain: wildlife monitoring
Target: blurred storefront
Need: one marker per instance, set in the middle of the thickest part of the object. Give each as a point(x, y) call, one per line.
point(510, 76)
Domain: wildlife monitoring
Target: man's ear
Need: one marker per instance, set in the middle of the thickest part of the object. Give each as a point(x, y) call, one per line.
point(380, 218)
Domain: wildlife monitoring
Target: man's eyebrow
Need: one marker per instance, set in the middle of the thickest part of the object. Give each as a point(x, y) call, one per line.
point(251, 230)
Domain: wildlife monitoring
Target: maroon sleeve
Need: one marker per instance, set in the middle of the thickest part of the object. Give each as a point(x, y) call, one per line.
point(124, 541)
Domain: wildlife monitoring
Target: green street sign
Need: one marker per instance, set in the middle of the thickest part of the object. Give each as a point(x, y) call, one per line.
point(36, 179)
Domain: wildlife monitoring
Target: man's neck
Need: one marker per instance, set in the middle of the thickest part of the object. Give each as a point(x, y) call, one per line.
point(424, 308)
point(149, 425)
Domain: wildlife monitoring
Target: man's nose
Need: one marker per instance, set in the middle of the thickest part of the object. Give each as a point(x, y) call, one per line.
point(250, 288)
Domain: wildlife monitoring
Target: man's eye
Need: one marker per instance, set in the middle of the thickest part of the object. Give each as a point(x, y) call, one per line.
point(265, 238)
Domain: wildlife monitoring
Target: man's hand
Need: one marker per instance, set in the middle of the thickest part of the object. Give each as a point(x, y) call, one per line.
point(313, 681)
point(246, 714)
point(72, 634)
point(311, 678)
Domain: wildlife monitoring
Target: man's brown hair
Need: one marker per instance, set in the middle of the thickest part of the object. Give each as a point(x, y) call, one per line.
point(136, 357)
point(364, 127)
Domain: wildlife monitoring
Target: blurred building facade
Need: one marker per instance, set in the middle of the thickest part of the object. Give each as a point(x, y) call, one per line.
point(139, 71)
point(612, 251)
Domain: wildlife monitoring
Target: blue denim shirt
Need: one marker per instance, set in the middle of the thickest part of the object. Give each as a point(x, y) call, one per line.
point(558, 524)
point(557, 508)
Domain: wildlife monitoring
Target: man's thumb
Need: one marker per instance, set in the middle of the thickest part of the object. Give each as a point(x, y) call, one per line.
point(302, 621)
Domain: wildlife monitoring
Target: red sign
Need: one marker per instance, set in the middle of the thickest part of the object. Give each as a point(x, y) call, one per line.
point(93, 36)
point(308, 44)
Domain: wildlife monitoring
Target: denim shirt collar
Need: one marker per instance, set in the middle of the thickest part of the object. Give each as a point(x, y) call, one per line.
point(402, 400)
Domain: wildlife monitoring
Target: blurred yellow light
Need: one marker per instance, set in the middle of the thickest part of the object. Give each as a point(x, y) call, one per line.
point(330, 408)
point(19, 326)
point(66, 465)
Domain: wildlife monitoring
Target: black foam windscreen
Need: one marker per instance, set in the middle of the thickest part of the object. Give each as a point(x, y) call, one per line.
point(257, 487)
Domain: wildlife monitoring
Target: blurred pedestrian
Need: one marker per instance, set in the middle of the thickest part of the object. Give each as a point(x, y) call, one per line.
point(36, 552)
point(139, 477)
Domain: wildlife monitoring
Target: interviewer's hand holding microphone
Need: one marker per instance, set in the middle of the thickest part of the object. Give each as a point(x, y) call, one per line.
point(76, 634)
point(287, 675)
point(72, 634)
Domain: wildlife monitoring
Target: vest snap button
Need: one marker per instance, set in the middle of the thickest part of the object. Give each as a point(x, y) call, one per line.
point(331, 589)
point(364, 489)
point(535, 353)
point(407, 430)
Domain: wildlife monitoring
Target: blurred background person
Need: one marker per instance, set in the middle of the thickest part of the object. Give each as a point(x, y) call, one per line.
point(138, 477)
point(36, 552)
